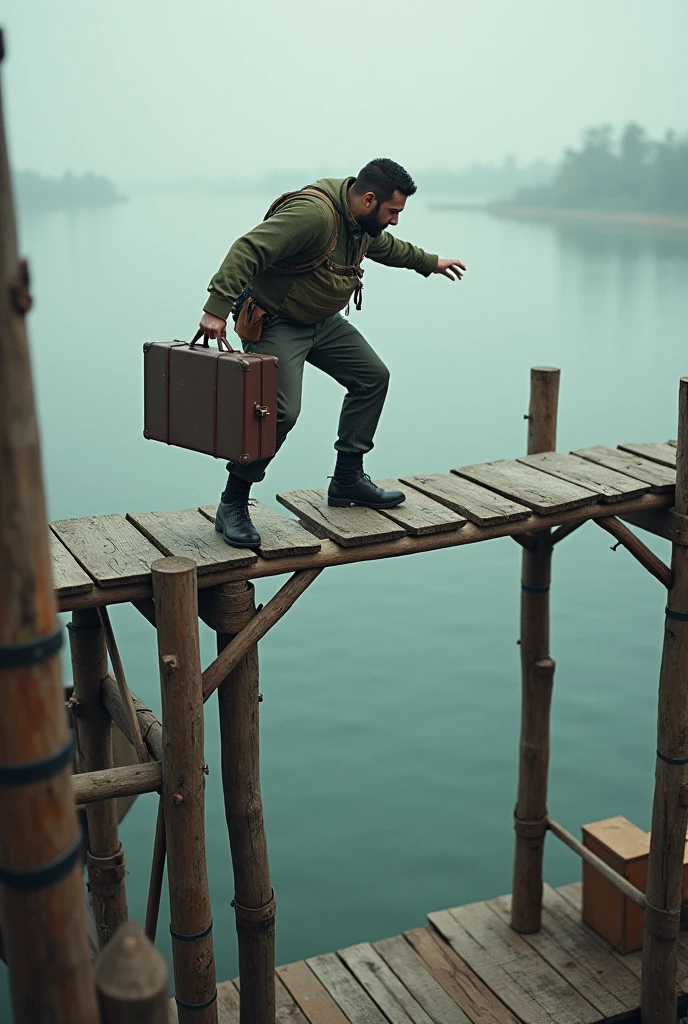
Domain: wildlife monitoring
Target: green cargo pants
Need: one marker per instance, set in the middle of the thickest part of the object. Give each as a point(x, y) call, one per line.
point(335, 346)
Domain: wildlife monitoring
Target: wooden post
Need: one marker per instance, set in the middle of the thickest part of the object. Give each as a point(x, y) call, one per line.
point(42, 908)
point(131, 977)
point(104, 859)
point(537, 676)
point(175, 590)
point(254, 899)
point(669, 813)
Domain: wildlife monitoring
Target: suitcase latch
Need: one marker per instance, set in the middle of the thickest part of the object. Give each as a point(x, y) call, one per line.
point(262, 411)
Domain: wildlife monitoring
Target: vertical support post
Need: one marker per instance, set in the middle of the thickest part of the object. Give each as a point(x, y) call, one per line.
point(669, 813)
point(104, 859)
point(254, 899)
point(131, 978)
point(176, 611)
point(537, 677)
point(41, 899)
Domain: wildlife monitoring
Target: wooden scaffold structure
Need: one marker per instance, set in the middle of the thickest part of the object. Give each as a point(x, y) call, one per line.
point(174, 569)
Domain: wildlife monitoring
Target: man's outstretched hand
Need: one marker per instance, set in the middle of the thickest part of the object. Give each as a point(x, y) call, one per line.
point(453, 269)
point(213, 327)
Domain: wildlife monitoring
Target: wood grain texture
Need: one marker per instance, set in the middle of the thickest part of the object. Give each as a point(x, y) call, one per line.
point(106, 784)
point(455, 976)
point(131, 978)
point(660, 478)
point(345, 990)
point(419, 514)
point(664, 454)
point(349, 527)
point(109, 548)
point(540, 491)
point(279, 535)
point(476, 503)
point(402, 959)
point(187, 533)
point(310, 994)
point(68, 576)
point(607, 484)
point(383, 986)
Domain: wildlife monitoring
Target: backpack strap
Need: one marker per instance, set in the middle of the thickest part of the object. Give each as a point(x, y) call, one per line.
point(282, 267)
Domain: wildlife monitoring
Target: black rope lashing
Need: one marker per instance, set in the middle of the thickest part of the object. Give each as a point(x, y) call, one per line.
point(196, 1006)
point(31, 652)
point(534, 590)
point(30, 879)
point(678, 616)
point(672, 760)
point(35, 771)
point(191, 938)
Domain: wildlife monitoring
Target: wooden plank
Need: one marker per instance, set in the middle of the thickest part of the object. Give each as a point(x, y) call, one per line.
point(408, 966)
point(587, 966)
point(511, 968)
point(470, 500)
point(540, 491)
point(345, 990)
point(456, 978)
point(607, 484)
point(287, 1009)
point(310, 994)
point(673, 444)
point(68, 576)
point(349, 527)
point(109, 548)
point(188, 534)
point(279, 535)
point(419, 514)
point(664, 454)
point(383, 986)
point(660, 478)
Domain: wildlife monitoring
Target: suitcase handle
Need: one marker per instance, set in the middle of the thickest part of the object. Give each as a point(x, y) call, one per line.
point(220, 341)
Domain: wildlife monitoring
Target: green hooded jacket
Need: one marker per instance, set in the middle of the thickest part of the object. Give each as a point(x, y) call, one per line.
point(297, 233)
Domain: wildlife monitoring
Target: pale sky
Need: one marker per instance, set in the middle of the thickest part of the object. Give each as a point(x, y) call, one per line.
point(163, 89)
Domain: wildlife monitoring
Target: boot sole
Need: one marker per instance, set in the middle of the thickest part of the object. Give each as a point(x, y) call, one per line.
point(347, 503)
point(236, 543)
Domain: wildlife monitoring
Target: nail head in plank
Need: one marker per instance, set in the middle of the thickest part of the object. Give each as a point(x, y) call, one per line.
point(607, 484)
point(664, 454)
point(476, 503)
point(539, 491)
point(427, 992)
point(310, 994)
point(383, 986)
point(347, 526)
point(109, 548)
point(345, 990)
point(279, 535)
point(660, 478)
point(68, 576)
point(455, 977)
point(419, 514)
point(593, 973)
point(188, 534)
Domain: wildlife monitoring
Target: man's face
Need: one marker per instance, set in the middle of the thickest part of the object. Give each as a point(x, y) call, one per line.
point(378, 216)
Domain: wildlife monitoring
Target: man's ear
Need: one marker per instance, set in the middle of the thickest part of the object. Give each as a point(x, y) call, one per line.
point(369, 200)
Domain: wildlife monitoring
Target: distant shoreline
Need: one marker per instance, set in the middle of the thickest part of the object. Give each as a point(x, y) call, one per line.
point(618, 218)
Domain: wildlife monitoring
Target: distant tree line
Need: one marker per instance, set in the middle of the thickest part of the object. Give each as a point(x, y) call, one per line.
point(625, 172)
point(35, 190)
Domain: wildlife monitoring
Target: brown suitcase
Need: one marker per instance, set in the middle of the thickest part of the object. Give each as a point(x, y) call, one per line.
point(207, 400)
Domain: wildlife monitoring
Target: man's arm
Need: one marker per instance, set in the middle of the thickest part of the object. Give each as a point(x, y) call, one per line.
point(393, 252)
point(301, 226)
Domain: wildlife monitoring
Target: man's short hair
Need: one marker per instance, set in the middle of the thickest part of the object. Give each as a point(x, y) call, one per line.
point(384, 177)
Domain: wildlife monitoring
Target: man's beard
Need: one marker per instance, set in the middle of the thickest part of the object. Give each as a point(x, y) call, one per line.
point(370, 223)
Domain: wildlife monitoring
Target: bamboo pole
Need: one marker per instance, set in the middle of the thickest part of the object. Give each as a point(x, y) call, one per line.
point(176, 611)
point(537, 677)
point(157, 872)
point(131, 977)
point(254, 899)
point(669, 813)
point(112, 783)
point(648, 559)
point(151, 728)
point(42, 908)
point(635, 895)
point(134, 732)
point(104, 858)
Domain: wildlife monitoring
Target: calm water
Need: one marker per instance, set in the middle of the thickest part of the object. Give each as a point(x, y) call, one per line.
point(391, 713)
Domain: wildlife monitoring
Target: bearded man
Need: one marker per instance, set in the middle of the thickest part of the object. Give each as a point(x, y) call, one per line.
point(285, 282)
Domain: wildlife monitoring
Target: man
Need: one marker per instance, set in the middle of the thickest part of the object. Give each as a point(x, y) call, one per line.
point(287, 281)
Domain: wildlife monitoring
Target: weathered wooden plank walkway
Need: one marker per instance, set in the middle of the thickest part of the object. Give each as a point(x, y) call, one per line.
point(101, 560)
point(466, 967)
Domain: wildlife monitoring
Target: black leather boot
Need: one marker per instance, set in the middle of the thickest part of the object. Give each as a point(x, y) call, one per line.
point(232, 519)
point(362, 492)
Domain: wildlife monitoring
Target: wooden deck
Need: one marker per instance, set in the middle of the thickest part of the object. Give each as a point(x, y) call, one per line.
point(466, 967)
point(100, 560)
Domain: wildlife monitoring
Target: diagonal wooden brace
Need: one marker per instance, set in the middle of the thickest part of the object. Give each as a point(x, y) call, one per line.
point(647, 558)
